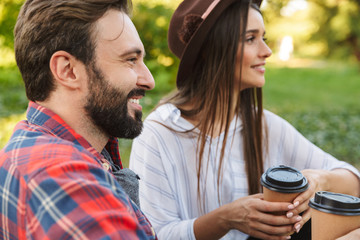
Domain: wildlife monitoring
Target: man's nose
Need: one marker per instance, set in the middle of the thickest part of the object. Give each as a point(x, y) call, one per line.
point(145, 78)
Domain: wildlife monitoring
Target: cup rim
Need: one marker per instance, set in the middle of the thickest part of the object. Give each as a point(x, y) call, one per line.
point(298, 185)
point(336, 203)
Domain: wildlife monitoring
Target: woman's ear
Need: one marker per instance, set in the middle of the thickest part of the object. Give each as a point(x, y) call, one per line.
point(65, 69)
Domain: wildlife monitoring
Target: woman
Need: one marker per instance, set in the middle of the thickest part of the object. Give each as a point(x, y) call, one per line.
point(203, 150)
point(353, 235)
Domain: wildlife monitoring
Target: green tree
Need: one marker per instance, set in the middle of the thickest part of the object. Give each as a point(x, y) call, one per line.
point(272, 18)
point(339, 26)
point(9, 10)
point(12, 94)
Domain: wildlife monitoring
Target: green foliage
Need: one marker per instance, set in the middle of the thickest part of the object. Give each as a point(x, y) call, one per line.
point(336, 132)
point(338, 26)
point(12, 92)
point(326, 28)
point(272, 10)
point(7, 126)
point(9, 10)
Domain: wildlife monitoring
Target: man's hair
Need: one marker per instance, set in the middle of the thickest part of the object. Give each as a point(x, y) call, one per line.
point(46, 26)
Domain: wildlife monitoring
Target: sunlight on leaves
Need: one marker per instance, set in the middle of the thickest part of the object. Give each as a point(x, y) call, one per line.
point(7, 126)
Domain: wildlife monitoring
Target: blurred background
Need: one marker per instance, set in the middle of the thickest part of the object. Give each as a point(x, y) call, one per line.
point(312, 78)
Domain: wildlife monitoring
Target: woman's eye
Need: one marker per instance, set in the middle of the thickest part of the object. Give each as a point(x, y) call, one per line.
point(250, 39)
point(265, 39)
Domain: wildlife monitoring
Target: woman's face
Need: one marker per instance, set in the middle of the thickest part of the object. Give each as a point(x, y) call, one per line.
point(255, 53)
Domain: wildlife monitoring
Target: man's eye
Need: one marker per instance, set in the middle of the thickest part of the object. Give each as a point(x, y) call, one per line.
point(132, 60)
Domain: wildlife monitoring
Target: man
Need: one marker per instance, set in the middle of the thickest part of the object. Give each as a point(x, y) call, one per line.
point(82, 65)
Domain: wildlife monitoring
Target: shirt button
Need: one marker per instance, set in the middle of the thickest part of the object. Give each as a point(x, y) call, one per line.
point(106, 166)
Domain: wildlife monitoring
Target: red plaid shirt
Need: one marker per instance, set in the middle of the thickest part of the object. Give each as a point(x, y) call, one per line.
point(53, 186)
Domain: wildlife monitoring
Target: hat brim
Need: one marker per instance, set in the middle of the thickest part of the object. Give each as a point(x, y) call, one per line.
point(193, 47)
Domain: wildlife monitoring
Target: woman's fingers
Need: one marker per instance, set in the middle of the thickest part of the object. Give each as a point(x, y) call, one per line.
point(262, 219)
point(270, 236)
point(305, 217)
point(266, 228)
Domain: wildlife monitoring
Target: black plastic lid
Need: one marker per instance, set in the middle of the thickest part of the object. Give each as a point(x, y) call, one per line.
point(336, 203)
point(284, 179)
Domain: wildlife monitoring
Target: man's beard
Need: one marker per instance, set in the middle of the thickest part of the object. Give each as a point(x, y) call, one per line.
point(107, 107)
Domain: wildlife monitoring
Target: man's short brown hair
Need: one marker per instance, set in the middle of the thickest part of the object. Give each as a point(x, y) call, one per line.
point(46, 26)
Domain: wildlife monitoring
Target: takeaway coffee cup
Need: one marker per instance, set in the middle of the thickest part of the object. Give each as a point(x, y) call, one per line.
point(333, 215)
point(283, 184)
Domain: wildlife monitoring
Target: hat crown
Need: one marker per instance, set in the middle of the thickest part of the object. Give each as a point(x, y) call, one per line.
point(184, 23)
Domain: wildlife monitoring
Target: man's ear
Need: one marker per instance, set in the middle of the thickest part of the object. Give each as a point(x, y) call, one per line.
point(66, 69)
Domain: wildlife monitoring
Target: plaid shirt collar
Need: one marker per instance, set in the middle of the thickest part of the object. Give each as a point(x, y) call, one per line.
point(54, 124)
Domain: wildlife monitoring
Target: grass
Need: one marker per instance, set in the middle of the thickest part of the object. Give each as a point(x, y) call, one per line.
point(322, 102)
point(321, 99)
point(332, 87)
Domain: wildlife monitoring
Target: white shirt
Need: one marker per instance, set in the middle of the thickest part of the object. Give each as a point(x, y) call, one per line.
point(166, 163)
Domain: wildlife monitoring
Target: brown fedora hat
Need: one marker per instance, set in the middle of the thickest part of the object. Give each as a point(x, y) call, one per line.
point(189, 27)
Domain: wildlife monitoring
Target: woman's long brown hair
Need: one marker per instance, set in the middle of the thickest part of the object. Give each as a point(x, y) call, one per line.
point(210, 90)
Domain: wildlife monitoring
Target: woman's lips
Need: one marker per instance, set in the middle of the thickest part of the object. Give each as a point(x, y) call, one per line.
point(259, 67)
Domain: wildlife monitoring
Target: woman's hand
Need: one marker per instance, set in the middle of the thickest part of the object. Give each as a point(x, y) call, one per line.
point(258, 218)
point(251, 215)
point(317, 182)
point(338, 180)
